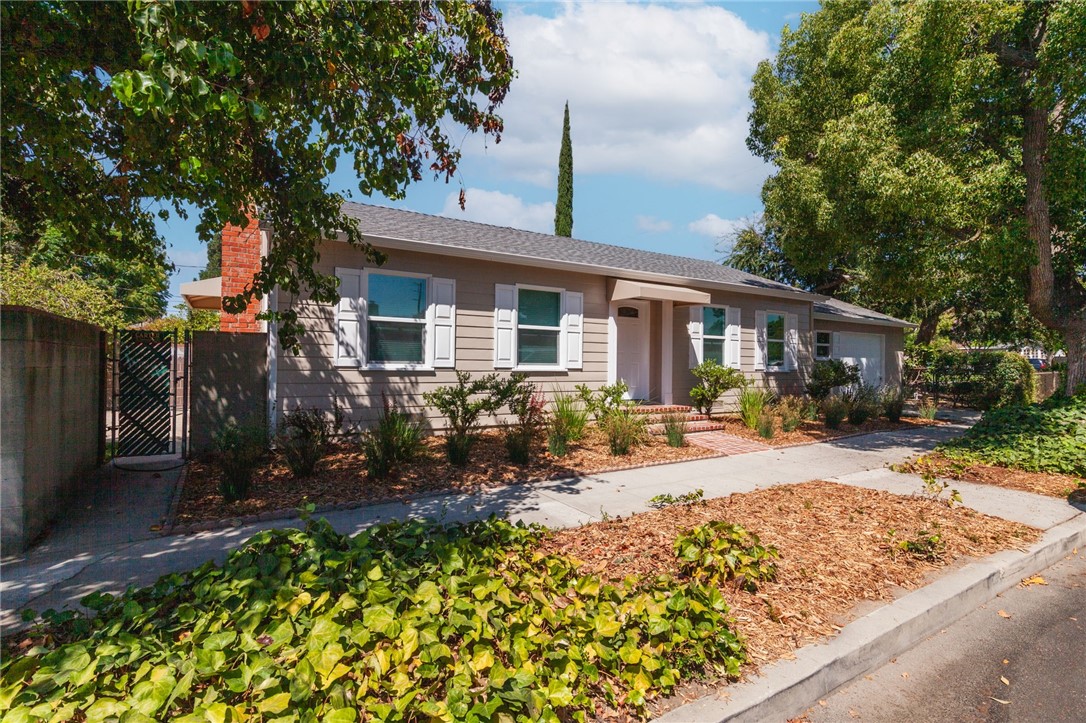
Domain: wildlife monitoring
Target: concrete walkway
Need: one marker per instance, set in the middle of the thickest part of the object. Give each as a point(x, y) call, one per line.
point(113, 545)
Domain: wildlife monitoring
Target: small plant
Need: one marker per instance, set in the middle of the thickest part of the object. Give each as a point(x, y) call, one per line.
point(714, 381)
point(557, 441)
point(893, 402)
point(607, 399)
point(752, 400)
point(464, 403)
point(863, 403)
point(926, 546)
point(934, 489)
point(624, 430)
point(529, 406)
point(767, 424)
point(239, 449)
point(667, 500)
point(570, 414)
point(792, 411)
point(396, 438)
point(829, 374)
point(717, 552)
point(927, 410)
point(834, 411)
point(674, 429)
point(303, 437)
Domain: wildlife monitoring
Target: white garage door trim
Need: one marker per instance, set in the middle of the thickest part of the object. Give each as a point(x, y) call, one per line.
point(850, 342)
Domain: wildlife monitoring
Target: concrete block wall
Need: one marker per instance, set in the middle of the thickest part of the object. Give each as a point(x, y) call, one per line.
point(228, 378)
point(51, 421)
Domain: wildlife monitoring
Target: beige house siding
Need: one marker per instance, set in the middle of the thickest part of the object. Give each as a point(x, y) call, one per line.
point(894, 349)
point(780, 382)
point(311, 378)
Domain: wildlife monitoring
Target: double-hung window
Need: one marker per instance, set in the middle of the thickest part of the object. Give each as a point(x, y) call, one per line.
point(714, 320)
point(823, 344)
point(537, 328)
point(715, 335)
point(778, 341)
point(774, 337)
point(394, 320)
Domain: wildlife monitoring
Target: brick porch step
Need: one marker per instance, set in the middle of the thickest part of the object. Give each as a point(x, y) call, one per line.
point(660, 408)
point(691, 427)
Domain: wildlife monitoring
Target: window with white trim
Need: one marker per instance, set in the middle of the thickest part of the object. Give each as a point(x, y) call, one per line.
point(537, 328)
point(774, 338)
point(823, 344)
point(714, 333)
point(396, 325)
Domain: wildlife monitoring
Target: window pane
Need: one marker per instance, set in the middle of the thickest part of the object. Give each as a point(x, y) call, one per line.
point(714, 349)
point(774, 326)
point(822, 337)
point(539, 308)
point(537, 347)
point(402, 296)
point(714, 321)
point(822, 351)
point(396, 341)
point(775, 351)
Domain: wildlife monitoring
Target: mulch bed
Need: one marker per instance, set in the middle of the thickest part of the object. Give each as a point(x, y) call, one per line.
point(838, 548)
point(816, 431)
point(342, 477)
point(1051, 484)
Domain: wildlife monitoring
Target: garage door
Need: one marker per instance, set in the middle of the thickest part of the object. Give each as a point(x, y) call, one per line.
point(866, 352)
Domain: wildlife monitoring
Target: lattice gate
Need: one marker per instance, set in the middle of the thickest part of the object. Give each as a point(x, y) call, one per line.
point(149, 393)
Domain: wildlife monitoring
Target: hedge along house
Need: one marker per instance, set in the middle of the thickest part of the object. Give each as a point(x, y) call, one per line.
point(457, 295)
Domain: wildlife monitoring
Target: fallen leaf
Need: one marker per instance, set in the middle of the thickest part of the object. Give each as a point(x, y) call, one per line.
point(1004, 680)
point(1030, 581)
point(822, 703)
point(1001, 702)
point(1006, 662)
point(853, 714)
point(1004, 614)
point(904, 675)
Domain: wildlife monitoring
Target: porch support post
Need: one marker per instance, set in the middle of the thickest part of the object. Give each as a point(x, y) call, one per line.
point(612, 344)
point(667, 317)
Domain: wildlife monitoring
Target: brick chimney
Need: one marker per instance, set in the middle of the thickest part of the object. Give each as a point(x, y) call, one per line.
point(240, 261)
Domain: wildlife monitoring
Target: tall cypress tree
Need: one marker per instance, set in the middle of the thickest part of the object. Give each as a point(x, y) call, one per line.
point(563, 211)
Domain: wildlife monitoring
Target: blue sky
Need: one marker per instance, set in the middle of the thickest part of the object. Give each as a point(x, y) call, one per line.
point(658, 98)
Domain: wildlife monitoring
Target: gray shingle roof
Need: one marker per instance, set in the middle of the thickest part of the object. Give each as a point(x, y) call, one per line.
point(498, 240)
point(845, 311)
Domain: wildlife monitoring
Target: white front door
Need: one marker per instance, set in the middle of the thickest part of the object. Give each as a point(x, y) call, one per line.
point(632, 348)
point(865, 351)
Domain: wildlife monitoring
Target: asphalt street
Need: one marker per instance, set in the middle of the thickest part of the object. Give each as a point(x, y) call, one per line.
point(1021, 657)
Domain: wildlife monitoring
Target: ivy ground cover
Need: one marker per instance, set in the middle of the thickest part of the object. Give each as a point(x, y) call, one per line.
point(485, 621)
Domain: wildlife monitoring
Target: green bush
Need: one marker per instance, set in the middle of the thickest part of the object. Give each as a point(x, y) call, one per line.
point(557, 441)
point(397, 437)
point(624, 429)
point(792, 411)
point(239, 450)
point(675, 429)
point(606, 399)
point(714, 381)
point(570, 415)
point(982, 379)
point(406, 621)
point(767, 424)
point(465, 402)
point(1045, 437)
point(834, 410)
point(752, 400)
point(719, 552)
point(828, 374)
point(863, 403)
point(892, 400)
point(529, 406)
point(927, 410)
point(304, 435)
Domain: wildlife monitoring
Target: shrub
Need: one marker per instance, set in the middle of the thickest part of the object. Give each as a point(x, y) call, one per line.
point(834, 410)
point(674, 429)
point(570, 415)
point(714, 381)
point(892, 400)
point(667, 500)
point(303, 437)
point(927, 410)
point(752, 400)
point(464, 403)
point(313, 616)
point(624, 430)
point(607, 399)
point(529, 406)
point(926, 546)
point(828, 374)
point(1002, 379)
point(718, 552)
point(767, 424)
point(863, 403)
point(792, 411)
point(239, 449)
point(396, 438)
point(557, 440)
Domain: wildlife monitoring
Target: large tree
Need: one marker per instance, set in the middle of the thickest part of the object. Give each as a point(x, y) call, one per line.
point(563, 209)
point(230, 106)
point(936, 150)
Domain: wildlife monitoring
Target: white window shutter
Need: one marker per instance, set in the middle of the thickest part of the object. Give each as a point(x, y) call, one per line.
point(791, 341)
point(442, 346)
point(697, 341)
point(733, 336)
point(505, 326)
point(348, 350)
point(760, 350)
point(835, 348)
point(574, 328)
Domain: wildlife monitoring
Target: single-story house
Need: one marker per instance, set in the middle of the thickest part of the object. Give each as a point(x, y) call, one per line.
point(459, 295)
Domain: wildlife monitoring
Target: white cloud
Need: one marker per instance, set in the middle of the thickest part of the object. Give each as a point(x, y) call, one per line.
point(659, 91)
point(651, 223)
point(500, 209)
point(714, 226)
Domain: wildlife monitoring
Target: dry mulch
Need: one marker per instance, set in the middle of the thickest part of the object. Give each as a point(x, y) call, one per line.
point(816, 431)
point(838, 548)
point(342, 476)
point(1051, 484)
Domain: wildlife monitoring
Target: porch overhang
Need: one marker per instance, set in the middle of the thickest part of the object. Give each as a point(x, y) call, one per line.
point(627, 289)
point(203, 294)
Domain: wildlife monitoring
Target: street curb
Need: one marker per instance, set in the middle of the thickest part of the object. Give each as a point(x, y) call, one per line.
point(788, 688)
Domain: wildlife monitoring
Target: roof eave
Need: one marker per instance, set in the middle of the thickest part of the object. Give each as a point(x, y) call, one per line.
point(822, 316)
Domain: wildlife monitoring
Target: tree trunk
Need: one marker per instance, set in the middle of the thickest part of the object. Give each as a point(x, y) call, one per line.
point(928, 326)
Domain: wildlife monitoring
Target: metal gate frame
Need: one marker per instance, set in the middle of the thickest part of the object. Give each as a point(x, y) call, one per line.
point(149, 390)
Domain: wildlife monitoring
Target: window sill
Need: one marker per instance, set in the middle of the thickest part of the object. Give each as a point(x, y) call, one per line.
point(396, 367)
point(538, 368)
